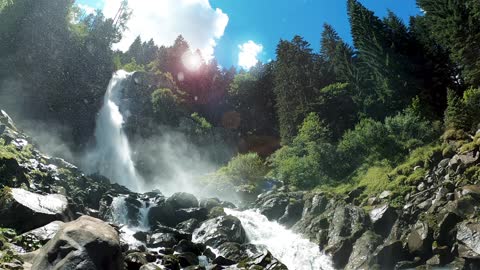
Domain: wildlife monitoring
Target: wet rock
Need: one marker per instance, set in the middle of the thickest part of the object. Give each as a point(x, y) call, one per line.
point(150, 266)
point(86, 242)
point(187, 246)
point(220, 260)
point(383, 218)
point(171, 262)
point(216, 231)
point(444, 235)
point(167, 240)
point(182, 200)
point(24, 210)
point(162, 213)
point(187, 259)
point(340, 252)
point(135, 260)
point(292, 214)
point(274, 207)
point(362, 252)
point(141, 236)
point(209, 203)
point(468, 237)
point(184, 214)
point(188, 225)
point(347, 222)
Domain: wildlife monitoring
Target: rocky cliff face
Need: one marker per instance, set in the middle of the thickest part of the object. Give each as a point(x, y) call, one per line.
point(52, 216)
point(437, 223)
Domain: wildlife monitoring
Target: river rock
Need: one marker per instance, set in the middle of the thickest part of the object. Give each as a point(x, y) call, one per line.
point(362, 253)
point(274, 207)
point(217, 231)
point(188, 225)
point(23, 210)
point(181, 200)
point(86, 243)
point(292, 214)
point(164, 240)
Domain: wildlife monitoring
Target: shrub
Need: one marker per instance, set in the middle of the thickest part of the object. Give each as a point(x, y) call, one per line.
point(165, 106)
point(244, 169)
point(310, 160)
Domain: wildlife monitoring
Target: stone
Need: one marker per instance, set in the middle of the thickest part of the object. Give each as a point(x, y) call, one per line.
point(217, 231)
point(388, 255)
point(292, 214)
point(86, 243)
point(274, 208)
point(209, 203)
point(187, 246)
point(420, 240)
point(23, 210)
point(188, 225)
point(468, 238)
point(385, 194)
point(182, 200)
point(187, 259)
point(135, 260)
point(165, 240)
point(362, 252)
point(45, 233)
point(383, 218)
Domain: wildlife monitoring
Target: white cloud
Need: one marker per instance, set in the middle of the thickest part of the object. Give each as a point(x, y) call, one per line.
point(88, 9)
point(164, 20)
point(248, 55)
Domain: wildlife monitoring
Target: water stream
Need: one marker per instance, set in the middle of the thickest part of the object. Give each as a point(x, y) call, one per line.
point(296, 252)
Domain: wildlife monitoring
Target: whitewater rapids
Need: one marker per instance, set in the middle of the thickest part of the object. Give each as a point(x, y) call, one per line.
point(296, 252)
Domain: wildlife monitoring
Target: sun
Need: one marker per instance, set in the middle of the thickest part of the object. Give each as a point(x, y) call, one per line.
point(191, 61)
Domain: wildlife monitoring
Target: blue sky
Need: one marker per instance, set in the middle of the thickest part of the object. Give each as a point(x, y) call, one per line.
point(265, 22)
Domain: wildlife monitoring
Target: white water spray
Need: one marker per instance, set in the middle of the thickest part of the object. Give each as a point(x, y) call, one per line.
point(112, 155)
point(296, 252)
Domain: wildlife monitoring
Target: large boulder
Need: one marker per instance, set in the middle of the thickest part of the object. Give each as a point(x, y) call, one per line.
point(86, 243)
point(44, 233)
point(217, 231)
point(181, 200)
point(420, 240)
point(273, 206)
point(362, 253)
point(23, 210)
point(468, 238)
point(383, 218)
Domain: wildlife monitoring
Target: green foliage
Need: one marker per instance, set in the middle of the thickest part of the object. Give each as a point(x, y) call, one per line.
point(133, 66)
point(293, 89)
point(165, 107)
point(202, 126)
point(455, 25)
point(244, 169)
point(310, 159)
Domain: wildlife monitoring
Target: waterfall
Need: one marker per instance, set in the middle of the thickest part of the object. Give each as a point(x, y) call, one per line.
point(112, 156)
point(296, 252)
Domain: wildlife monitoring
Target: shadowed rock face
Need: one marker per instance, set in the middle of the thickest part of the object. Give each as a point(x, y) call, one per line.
point(24, 210)
point(86, 243)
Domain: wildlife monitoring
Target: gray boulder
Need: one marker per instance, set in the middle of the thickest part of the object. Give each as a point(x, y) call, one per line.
point(217, 231)
point(86, 243)
point(362, 253)
point(23, 210)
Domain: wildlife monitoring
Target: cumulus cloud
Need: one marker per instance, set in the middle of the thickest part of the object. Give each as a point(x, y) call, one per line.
point(164, 20)
point(248, 55)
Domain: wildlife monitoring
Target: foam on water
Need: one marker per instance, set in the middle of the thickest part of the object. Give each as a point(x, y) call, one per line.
point(296, 252)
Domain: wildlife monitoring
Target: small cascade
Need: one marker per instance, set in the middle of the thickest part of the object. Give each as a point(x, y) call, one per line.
point(112, 155)
point(296, 252)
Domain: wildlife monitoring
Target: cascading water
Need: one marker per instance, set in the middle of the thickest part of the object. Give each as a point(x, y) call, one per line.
point(296, 252)
point(112, 155)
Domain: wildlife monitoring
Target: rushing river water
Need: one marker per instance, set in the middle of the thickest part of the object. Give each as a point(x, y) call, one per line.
point(296, 252)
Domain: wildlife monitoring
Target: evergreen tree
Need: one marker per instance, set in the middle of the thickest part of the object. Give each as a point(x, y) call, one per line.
point(293, 85)
point(455, 25)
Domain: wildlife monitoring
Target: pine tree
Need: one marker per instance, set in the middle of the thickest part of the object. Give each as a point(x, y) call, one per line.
point(293, 85)
point(455, 25)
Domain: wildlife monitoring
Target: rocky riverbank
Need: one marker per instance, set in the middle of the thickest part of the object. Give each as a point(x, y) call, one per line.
point(53, 215)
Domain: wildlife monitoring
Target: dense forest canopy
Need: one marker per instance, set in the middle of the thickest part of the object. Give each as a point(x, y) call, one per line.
point(310, 117)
